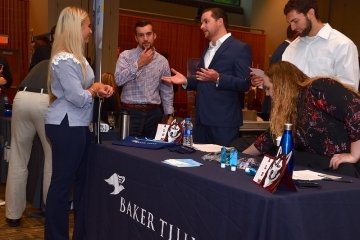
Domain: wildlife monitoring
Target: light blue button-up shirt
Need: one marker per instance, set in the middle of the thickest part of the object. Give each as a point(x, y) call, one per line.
point(70, 89)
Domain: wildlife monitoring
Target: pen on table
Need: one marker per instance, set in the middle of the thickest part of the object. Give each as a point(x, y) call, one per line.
point(337, 180)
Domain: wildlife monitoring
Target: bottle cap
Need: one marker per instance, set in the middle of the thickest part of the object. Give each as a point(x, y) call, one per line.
point(233, 168)
point(288, 126)
point(250, 171)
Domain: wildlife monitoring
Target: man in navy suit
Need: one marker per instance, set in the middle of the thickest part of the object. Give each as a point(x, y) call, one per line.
point(222, 75)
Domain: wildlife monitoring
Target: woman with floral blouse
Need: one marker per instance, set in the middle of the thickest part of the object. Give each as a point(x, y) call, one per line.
point(325, 116)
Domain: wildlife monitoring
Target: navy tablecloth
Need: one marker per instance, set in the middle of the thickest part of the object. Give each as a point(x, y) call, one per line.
point(131, 194)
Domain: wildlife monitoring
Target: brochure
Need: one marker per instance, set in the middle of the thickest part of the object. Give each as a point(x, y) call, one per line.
point(182, 162)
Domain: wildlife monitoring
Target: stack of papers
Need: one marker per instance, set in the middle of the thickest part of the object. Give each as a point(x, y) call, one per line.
point(311, 175)
point(182, 162)
point(207, 147)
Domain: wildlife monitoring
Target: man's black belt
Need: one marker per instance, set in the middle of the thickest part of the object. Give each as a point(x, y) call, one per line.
point(140, 107)
point(35, 90)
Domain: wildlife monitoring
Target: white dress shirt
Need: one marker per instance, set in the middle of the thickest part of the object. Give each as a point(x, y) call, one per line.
point(213, 48)
point(330, 53)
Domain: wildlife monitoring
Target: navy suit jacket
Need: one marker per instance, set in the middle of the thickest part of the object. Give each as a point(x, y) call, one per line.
point(220, 106)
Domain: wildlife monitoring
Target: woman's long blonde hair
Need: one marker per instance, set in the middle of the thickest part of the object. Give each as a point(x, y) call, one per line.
point(68, 38)
point(287, 82)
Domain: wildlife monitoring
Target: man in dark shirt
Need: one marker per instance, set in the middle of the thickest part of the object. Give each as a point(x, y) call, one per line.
point(5, 74)
point(5, 81)
point(277, 54)
point(42, 51)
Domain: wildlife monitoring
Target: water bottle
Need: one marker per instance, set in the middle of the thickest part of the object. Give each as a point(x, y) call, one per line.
point(233, 159)
point(124, 124)
point(223, 157)
point(188, 134)
point(287, 144)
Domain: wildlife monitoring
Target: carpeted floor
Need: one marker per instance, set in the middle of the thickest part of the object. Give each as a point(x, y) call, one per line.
point(31, 227)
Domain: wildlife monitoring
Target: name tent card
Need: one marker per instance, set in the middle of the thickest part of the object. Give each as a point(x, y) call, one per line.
point(172, 133)
point(273, 172)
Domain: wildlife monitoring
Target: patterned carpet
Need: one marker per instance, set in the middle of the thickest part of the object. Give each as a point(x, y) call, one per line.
point(31, 227)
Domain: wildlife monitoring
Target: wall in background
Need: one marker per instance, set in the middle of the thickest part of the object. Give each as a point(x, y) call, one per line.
point(39, 15)
point(14, 19)
point(259, 14)
point(50, 10)
point(171, 9)
point(344, 16)
point(267, 15)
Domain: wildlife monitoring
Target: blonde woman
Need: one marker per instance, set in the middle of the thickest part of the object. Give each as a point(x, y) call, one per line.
point(72, 91)
point(325, 116)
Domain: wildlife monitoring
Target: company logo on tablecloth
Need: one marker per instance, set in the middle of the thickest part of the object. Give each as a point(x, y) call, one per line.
point(143, 216)
point(116, 180)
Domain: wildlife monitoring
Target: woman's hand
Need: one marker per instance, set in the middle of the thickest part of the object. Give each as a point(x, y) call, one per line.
point(101, 90)
point(256, 81)
point(105, 91)
point(352, 157)
point(337, 159)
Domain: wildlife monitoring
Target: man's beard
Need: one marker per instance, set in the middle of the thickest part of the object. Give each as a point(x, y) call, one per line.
point(307, 29)
point(149, 46)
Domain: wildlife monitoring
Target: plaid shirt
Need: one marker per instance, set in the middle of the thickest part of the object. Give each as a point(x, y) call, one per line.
point(144, 86)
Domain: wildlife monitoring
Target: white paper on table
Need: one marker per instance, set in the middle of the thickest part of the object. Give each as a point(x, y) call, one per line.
point(182, 162)
point(311, 175)
point(161, 131)
point(207, 147)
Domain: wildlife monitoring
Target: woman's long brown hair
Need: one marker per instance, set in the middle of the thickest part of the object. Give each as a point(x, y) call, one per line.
point(287, 82)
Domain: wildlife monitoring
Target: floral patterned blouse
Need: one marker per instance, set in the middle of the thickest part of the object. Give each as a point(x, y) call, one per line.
point(328, 120)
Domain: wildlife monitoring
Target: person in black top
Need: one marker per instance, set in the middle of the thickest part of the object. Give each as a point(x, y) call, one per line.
point(277, 54)
point(42, 49)
point(5, 81)
point(5, 74)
